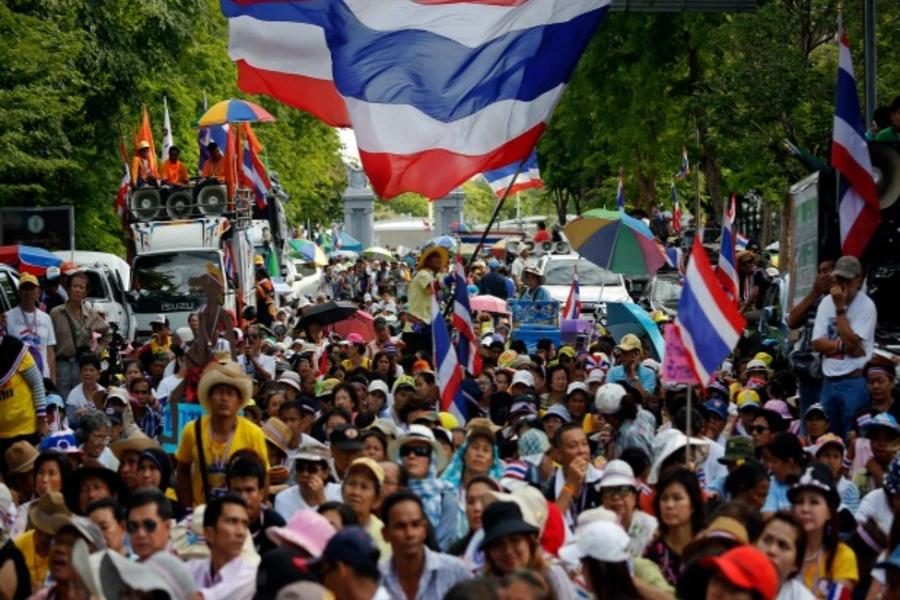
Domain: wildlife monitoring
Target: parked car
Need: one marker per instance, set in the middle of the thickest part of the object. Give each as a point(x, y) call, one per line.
point(9, 284)
point(663, 293)
point(559, 272)
point(110, 280)
point(307, 279)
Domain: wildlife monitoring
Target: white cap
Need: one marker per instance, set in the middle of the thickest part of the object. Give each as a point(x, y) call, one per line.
point(596, 376)
point(576, 386)
point(601, 540)
point(609, 398)
point(378, 385)
point(367, 298)
point(757, 365)
point(618, 473)
point(522, 378)
point(159, 320)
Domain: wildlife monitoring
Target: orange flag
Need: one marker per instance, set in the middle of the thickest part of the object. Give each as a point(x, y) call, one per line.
point(145, 133)
point(251, 139)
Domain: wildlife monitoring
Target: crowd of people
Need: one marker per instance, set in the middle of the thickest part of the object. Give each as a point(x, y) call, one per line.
point(323, 466)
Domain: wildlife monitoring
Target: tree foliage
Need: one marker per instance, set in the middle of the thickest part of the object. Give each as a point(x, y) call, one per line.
point(76, 75)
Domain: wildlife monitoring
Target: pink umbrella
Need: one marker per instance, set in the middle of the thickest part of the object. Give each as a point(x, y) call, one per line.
point(488, 303)
point(360, 323)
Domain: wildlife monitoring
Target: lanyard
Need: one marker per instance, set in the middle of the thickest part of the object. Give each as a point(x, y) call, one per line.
point(220, 462)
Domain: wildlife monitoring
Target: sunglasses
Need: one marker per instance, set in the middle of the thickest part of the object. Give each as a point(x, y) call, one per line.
point(253, 336)
point(148, 525)
point(621, 490)
point(759, 429)
point(420, 451)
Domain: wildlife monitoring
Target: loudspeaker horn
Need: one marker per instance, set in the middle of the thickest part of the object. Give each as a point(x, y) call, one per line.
point(178, 205)
point(529, 244)
point(562, 248)
point(212, 199)
point(886, 164)
point(546, 247)
point(145, 203)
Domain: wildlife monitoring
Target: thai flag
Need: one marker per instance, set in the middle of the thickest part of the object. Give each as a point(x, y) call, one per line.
point(572, 309)
point(726, 271)
point(427, 225)
point(229, 261)
point(859, 210)
point(708, 322)
point(838, 592)
point(741, 241)
point(620, 193)
point(449, 373)
point(253, 173)
point(122, 195)
point(467, 346)
point(436, 91)
point(676, 210)
point(685, 169)
point(529, 177)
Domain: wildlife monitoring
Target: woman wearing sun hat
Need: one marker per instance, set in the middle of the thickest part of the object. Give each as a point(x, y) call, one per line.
point(223, 391)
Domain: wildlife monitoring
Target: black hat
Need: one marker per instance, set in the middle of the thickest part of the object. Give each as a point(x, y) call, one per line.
point(816, 477)
point(351, 545)
point(346, 438)
point(72, 488)
point(276, 571)
point(502, 519)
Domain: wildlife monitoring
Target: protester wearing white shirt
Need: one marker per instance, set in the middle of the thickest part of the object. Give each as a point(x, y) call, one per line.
point(33, 326)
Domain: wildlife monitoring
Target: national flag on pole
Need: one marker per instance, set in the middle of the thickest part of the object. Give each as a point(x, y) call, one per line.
point(741, 241)
point(253, 173)
point(168, 140)
point(228, 254)
point(620, 193)
point(838, 592)
point(446, 363)
point(676, 210)
point(727, 271)
point(572, 309)
point(467, 345)
point(858, 208)
point(427, 225)
point(203, 139)
point(685, 169)
point(529, 177)
point(708, 322)
point(122, 195)
point(474, 96)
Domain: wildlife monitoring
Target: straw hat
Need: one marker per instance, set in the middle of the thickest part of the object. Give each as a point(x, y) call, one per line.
point(423, 258)
point(41, 512)
point(136, 442)
point(277, 433)
point(20, 457)
point(228, 373)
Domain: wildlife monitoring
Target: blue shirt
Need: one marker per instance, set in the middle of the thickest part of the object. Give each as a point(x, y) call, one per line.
point(646, 376)
point(440, 573)
point(777, 498)
point(538, 295)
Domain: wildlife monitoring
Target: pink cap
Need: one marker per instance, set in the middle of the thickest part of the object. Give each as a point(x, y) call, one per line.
point(307, 529)
point(780, 407)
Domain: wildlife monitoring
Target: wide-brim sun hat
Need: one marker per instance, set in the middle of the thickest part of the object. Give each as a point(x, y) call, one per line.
point(601, 540)
point(503, 519)
point(423, 258)
point(136, 442)
point(224, 374)
point(72, 487)
point(306, 529)
point(418, 433)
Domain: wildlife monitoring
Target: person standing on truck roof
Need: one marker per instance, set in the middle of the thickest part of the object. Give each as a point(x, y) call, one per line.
point(75, 325)
point(142, 170)
point(215, 164)
point(173, 171)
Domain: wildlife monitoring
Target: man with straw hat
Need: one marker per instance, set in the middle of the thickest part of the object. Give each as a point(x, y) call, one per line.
point(222, 392)
point(432, 261)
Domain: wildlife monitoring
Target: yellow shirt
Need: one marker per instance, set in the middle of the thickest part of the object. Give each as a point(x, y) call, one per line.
point(843, 567)
point(366, 364)
point(17, 413)
point(247, 436)
point(420, 295)
point(37, 565)
point(374, 530)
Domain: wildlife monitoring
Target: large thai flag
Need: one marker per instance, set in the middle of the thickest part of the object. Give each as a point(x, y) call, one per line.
point(676, 210)
point(726, 271)
point(253, 172)
point(436, 91)
point(446, 363)
point(620, 192)
point(859, 210)
point(467, 345)
point(572, 309)
point(708, 322)
point(529, 177)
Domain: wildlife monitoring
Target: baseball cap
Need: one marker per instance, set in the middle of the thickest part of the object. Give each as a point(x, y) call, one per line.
point(738, 447)
point(404, 381)
point(522, 378)
point(52, 273)
point(346, 438)
point(817, 407)
point(378, 385)
point(558, 410)
point(757, 365)
point(596, 376)
point(885, 421)
point(354, 338)
point(718, 407)
point(160, 320)
point(523, 407)
point(326, 388)
point(312, 452)
point(747, 568)
point(609, 398)
point(566, 351)
point(28, 278)
point(847, 267)
point(351, 545)
point(629, 342)
point(747, 399)
point(825, 440)
point(601, 540)
point(577, 386)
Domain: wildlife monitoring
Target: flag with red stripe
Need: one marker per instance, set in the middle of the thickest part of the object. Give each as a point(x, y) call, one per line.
point(253, 173)
point(726, 271)
point(858, 210)
point(572, 309)
point(446, 363)
point(467, 346)
point(122, 195)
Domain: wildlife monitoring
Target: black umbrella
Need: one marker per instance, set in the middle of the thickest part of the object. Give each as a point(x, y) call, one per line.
point(327, 313)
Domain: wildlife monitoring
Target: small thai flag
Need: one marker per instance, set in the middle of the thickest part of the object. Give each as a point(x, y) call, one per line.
point(446, 362)
point(676, 210)
point(741, 241)
point(727, 271)
point(572, 309)
point(467, 346)
point(620, 193)
point(685, 169)
point(838, 592)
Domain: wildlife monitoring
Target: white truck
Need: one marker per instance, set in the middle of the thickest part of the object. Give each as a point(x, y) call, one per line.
point(178, 236)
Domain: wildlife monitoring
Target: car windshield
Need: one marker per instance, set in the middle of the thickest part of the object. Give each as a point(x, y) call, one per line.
point(304, 269)
point(667, 292)
point(562, 272)
point(173, 275)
